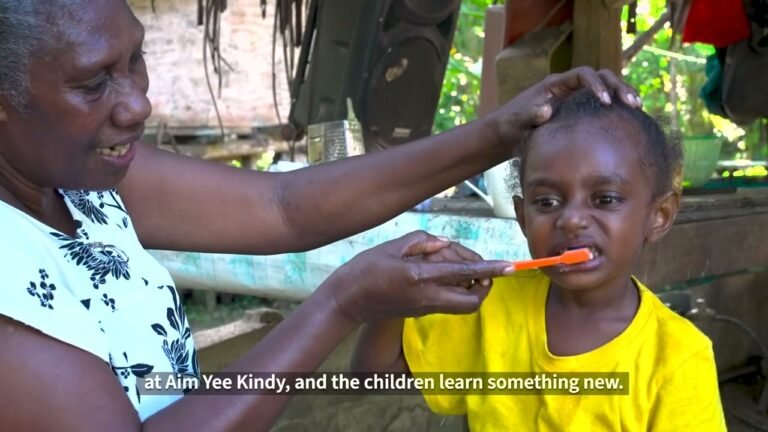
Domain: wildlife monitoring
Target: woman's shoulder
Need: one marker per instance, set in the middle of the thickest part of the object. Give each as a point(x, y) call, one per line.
point(36, 293)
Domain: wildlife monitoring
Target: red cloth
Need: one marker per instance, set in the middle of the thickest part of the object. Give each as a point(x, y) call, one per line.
point(716, 22)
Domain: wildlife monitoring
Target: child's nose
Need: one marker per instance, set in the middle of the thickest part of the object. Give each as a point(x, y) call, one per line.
point(573, 219)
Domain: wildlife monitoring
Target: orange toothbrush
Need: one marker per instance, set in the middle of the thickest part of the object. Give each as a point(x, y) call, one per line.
point(568, 257)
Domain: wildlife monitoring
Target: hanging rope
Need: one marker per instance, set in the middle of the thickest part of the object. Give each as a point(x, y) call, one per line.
point(210, 11)
point(288, 23)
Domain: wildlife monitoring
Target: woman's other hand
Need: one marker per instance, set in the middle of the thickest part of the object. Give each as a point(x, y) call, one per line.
point(533, 107)
point(414, 275)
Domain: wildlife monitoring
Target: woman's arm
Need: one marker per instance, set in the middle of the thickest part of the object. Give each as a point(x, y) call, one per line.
point(48, 385)
point(181, 203)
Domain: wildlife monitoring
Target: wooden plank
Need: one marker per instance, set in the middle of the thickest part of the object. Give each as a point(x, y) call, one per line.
point(596, 35)
point(235, 149)
point(702, 249)
point(690, 251)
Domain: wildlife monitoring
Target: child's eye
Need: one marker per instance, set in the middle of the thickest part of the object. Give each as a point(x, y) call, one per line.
point(546, 202)
point(608, 200)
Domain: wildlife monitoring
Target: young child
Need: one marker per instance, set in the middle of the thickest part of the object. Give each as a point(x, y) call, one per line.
point(596, 176)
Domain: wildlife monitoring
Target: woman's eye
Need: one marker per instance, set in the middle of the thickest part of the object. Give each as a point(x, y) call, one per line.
point(137, 57)
point(95, 87)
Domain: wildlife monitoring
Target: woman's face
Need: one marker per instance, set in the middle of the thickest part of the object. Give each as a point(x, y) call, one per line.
point(87, 104)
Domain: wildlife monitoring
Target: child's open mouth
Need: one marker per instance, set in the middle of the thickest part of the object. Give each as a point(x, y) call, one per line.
point(595, 252)
point(592, 264)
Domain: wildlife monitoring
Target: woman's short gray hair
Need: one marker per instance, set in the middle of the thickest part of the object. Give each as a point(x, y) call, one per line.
point(23, 33)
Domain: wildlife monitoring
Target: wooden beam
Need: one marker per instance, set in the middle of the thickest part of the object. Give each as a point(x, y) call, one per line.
point(705, 249)
point(614, 4)
point(596, 35)
point(231, 149)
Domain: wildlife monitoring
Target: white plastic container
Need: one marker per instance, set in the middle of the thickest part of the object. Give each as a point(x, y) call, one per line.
point(502, 183)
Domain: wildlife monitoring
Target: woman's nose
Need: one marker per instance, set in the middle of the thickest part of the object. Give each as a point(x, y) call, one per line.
point(133, 108)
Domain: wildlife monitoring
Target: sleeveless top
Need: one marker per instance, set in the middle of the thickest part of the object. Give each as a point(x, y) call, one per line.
point(99, 291)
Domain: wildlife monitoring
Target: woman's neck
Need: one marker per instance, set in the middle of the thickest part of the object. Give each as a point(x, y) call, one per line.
point(44, 204)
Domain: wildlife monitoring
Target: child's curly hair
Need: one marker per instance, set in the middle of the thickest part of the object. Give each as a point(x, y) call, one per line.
point(662, 153)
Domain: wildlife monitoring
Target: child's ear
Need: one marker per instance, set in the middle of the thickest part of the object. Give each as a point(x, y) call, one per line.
point(519, 212)
point(663, 214)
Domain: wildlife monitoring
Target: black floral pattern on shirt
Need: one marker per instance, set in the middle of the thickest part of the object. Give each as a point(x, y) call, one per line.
point(130, 372)
point(108, 301)
point(182, 358)
point(80, 201)
point(102, 260)
point(43, 290)
point(97, 250)
point(95, 212)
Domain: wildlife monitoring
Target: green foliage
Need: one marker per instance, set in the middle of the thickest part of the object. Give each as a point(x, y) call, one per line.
point(460, 96)
point(649, 72)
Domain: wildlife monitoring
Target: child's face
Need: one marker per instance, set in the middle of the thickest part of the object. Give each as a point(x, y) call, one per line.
point(585, 186)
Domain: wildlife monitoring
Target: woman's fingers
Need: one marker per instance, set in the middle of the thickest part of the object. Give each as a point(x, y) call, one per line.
point(413, 275)
point(453, 299)
point(561, 85)
point(626, 93)
point(458, 271)
point(465, 253)
point(419, 243)
point(603, 83)
point(456, 252)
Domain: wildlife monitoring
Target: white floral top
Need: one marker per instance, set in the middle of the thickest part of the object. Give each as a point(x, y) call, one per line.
point(99, 291)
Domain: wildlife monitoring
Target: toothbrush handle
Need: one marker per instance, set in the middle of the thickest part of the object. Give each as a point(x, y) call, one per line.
point(536, 263)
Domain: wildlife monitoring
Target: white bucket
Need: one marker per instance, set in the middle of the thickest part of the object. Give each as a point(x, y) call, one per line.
point(502, 183)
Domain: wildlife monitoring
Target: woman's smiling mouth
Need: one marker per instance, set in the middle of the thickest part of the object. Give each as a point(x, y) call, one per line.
point(115, 151)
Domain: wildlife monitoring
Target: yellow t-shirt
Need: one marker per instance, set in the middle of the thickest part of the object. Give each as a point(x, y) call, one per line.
point(672, 376)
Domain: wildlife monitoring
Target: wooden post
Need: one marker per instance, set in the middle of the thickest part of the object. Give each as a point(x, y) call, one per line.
point(205, 297)
point(597, 35)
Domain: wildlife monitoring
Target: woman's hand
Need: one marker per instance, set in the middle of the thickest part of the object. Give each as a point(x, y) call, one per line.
point(414, 275)
point(534, 106)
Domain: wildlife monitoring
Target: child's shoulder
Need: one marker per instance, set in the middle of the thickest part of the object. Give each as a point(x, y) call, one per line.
point(675, 335)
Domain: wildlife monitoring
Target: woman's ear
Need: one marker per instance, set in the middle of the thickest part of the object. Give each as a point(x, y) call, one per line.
point(662, 217)
point(519, 212)
point(3, 115)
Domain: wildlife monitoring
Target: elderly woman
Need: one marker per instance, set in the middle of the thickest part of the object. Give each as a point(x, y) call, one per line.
point(85, 312)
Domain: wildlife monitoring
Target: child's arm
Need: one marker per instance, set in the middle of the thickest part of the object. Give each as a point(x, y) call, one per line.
point(379, 345)
point(379, 348)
